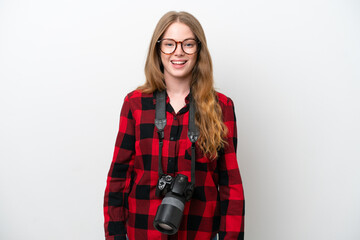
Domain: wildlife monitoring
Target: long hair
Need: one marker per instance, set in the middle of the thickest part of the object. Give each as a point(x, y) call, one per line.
point(208, 117)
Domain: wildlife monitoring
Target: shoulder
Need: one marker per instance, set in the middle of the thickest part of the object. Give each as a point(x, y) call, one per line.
point(138, 94)
point(224, 100)
point(138, 100)
point(227, 107)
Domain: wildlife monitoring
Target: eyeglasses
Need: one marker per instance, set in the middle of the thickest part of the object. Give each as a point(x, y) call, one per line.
point(189, 46)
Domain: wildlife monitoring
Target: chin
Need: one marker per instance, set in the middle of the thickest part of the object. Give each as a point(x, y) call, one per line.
point(178, 74)
point(181, 75)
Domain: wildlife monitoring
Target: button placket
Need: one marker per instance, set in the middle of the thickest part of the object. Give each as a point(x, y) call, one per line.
point(173, 148)
point(173, 137)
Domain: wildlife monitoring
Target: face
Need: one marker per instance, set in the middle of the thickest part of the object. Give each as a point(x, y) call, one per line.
point(178, 65)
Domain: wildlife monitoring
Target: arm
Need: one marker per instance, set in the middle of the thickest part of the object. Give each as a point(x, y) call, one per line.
point(232, 204)
point(119, 177)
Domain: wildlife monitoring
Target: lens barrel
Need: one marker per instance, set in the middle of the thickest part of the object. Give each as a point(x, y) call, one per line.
point(169, 213)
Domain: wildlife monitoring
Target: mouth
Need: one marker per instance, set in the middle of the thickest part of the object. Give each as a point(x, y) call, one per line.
point(177, 62)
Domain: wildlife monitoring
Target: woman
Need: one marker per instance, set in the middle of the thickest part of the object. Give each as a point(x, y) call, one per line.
point(178, 63)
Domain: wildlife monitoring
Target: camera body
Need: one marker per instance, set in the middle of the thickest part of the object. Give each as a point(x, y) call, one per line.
point(178, 185)
point(176, 192)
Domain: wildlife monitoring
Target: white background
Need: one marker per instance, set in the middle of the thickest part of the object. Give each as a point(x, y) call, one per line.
point(291, 67)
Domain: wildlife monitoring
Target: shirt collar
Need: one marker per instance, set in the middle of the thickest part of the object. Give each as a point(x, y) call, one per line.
point(169, 107)
point(187, 99)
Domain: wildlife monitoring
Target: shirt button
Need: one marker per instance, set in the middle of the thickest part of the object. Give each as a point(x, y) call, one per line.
point(172, 138)
point(174, 118)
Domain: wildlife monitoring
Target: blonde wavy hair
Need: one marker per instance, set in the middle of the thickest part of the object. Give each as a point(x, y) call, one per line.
point(208, 117)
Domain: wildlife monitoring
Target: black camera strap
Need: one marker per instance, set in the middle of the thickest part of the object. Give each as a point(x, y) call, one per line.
point(193, 135)
point(160, 123)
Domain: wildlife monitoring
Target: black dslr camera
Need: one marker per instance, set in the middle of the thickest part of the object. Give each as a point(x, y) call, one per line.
point(177, 191)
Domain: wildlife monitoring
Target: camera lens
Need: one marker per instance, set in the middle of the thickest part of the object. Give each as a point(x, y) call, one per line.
point(169, 213)
point(165, 226)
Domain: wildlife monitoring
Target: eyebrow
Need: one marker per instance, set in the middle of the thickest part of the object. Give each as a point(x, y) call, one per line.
point(193, 38)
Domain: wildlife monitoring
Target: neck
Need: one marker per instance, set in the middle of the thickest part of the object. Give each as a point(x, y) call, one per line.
point(177, 86)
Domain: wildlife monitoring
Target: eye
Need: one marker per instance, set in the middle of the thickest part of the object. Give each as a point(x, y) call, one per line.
point(168, 43)
point(189, 44)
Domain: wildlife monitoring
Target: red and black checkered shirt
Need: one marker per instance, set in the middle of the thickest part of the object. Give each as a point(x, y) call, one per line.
point(130, 204)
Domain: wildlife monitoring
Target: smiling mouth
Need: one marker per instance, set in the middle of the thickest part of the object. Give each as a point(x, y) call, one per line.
point(178, 62)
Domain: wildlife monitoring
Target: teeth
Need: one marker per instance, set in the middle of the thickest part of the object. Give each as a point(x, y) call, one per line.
point(176, 62)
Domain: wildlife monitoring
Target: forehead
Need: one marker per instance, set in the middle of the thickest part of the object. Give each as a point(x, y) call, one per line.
point(178, 31)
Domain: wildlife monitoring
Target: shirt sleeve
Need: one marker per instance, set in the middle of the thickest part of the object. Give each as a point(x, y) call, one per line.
point(232, 202)
point(119, 177)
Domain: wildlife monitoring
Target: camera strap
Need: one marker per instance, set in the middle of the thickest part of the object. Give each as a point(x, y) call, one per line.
point(160, 123)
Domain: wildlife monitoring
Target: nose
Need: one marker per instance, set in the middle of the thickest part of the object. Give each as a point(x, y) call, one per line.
point(178, 50)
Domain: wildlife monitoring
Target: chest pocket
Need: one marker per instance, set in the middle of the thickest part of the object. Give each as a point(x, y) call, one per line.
point(202, 163)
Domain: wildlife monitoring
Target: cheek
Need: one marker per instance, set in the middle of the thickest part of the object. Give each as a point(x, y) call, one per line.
point(193, 61)
point(163, 59)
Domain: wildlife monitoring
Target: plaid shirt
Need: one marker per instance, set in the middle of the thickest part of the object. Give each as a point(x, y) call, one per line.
point(130, 204)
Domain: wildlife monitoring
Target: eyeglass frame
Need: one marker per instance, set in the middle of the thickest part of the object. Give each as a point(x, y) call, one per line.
point(181, 44)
